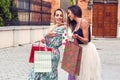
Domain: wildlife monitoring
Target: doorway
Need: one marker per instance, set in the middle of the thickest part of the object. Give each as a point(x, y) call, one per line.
point(104, 20)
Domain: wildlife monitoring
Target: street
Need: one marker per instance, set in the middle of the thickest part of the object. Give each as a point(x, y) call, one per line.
point(14, 60)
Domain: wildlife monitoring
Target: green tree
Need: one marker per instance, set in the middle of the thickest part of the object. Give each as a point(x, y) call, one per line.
point(5, 14)
point(8, 13)
point(73, 2)
point(1, 21)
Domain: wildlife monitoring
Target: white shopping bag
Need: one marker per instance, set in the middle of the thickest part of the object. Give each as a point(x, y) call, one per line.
point(42, 61)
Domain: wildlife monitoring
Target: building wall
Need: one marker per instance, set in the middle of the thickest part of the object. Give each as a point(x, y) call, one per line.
point(14, 36)
point(64, 4)
point(119, 12)
point(86, 13)
point(55, 5)
point(6, 37)
point(118, 30)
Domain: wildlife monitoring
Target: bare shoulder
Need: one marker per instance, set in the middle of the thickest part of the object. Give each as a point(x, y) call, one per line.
point(84, 23)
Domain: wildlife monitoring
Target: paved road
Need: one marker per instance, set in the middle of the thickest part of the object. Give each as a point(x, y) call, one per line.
point(14, 61)
point(109, 50)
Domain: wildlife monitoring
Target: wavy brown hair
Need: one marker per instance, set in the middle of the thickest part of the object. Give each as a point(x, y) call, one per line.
point(76, 10)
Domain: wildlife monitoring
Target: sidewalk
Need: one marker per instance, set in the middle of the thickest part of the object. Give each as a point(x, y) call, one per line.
point(109, 50)
point(14, 61)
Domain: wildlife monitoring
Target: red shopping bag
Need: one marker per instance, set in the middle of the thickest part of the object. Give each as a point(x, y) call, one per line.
point(36, 48)
point(72, 58)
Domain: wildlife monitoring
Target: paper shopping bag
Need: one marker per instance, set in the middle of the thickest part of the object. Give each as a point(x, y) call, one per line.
point(36, 48)
point(42, 61)
point(72, 58)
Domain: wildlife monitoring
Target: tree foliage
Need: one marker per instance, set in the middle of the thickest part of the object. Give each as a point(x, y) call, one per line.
point(6, 13)
point(72, 2)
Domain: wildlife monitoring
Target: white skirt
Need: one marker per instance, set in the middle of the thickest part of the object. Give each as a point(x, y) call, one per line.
point(90, 68)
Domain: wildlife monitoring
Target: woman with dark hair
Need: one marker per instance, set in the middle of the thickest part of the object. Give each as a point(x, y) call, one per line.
point(53, 39)
point(90, 61)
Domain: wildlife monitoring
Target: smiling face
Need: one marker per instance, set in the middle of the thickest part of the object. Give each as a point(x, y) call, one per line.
point(71, 16)
point(58, 16)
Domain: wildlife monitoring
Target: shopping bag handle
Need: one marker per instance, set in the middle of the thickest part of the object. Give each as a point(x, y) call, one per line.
point(43, 45)
point(75, 41)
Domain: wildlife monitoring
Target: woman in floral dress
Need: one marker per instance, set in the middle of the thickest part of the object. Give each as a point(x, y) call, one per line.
point(53, 39)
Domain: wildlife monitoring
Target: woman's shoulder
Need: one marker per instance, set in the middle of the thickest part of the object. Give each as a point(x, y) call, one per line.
point(84, 20)
point(84, 23)
point(64, 26)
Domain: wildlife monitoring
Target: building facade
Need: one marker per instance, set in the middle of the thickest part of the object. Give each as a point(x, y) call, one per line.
point(103, 15)
point(105, 18)
point(34, 12)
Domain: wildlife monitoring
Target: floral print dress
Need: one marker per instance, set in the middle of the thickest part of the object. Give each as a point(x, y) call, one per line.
point(54, 43)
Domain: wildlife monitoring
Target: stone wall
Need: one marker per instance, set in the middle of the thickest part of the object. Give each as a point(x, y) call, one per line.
point(64, 4)
point(118, 30)
point(15, 36)
point(55, 5)
point(119, 12)
point(87, 14)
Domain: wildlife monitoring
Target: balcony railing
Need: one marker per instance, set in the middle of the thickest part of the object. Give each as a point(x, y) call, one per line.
point(33, 12)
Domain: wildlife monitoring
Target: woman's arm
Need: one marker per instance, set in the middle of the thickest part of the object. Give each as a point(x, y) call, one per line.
point(84, 27)
point(50, 32)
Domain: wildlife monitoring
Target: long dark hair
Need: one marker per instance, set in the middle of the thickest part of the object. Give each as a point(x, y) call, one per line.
point(76, 10)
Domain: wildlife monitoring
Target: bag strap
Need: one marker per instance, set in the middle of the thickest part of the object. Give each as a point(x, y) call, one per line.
point(75, 41)
point(41, 44)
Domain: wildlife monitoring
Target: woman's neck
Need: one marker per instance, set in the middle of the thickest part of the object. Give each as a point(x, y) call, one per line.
point(77, 20)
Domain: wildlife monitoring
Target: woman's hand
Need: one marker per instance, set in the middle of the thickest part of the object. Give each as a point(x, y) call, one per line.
point(74, 36)
point(43, 40)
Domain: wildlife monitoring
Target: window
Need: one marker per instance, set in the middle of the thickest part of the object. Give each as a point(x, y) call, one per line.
point(26, 5)
point(106, 1)
point(23, 4)
point(34, 12)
